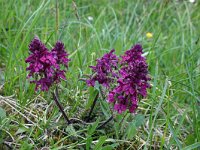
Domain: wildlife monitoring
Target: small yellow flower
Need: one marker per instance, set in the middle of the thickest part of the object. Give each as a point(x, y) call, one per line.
point(149, 35)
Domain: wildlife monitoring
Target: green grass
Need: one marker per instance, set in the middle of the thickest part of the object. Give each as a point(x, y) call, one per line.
point(168, 118)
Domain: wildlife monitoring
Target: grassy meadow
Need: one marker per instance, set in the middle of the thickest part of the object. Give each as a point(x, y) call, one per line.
point(168, 118)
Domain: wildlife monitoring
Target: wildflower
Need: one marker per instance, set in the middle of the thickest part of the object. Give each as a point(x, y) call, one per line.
point(40, 59)
point(126, 78)
point(104, 71)
point(60, 54)
point(192, 1)
point(149, 35)
point(44, 65)
point(132, 81)
point(90, 18)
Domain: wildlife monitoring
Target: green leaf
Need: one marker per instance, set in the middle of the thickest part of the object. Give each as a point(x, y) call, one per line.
point(88, 143)
point(25, 145)
point(92, 94)
point(174, 135)
point(105, 108)
point(2, 113)
point(190, 139)
point(108, 147)
point(101, 141)
point(97, 86)
point(132, 130)
point(92, 128)
point(139, 120)
point(193, 146)
point(70, 129)
point(21, 130)
point(123, 124)
point(117, 128)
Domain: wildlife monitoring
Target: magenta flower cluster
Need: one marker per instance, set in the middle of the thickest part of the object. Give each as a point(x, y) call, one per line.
point(126, 79)
point(44, 65)
point(104, 70)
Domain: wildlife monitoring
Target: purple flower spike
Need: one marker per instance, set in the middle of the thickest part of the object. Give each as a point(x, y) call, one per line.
point(44, 65)
point(37, 46)
point(60, 54)
point(40, 60)
point(104, 71)
point(133, 79)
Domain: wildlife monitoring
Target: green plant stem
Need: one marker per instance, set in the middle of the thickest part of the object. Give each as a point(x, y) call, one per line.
point(55, 97)
point(109, 119)
point(92, 108)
